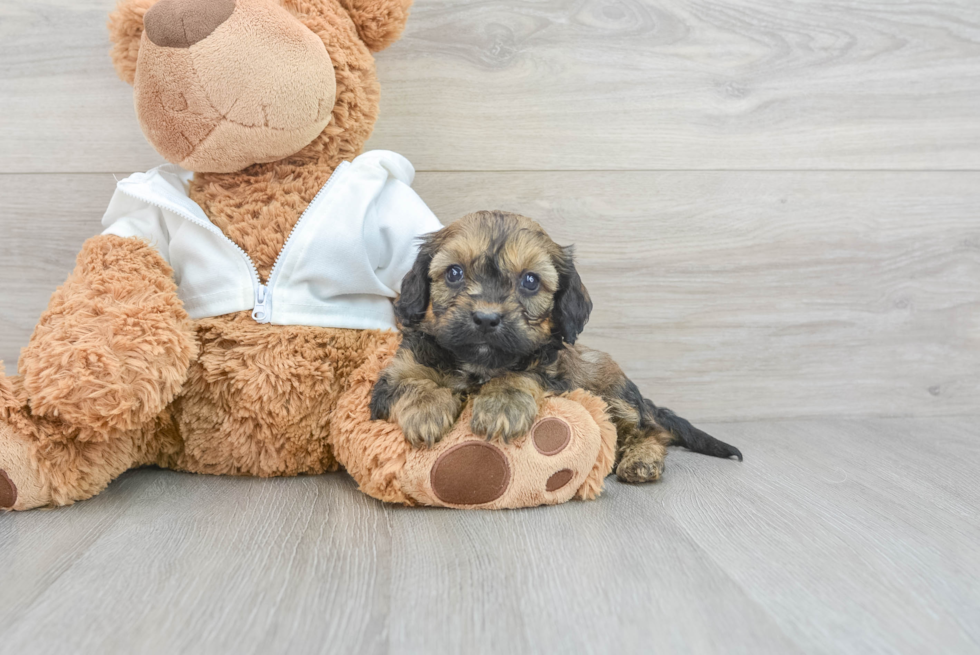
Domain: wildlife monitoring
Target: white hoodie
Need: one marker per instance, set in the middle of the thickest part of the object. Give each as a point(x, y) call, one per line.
point(340, 266)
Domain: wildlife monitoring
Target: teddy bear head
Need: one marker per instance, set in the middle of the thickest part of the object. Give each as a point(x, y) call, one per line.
point(220, 85)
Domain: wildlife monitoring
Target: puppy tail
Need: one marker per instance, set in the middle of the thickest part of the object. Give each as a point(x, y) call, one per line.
point(685, 434)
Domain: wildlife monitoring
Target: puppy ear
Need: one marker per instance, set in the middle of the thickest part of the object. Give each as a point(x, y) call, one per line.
point(413, 301)
point(572, 302)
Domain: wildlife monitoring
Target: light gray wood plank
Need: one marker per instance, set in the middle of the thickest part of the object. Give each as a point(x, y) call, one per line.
point(724, 295)
point(818, 526)
point(63, 107)
point(834, 536)
point(588, 578)
point(869, 521)
point(644, 84)
point(199, 564)
point(574, 84)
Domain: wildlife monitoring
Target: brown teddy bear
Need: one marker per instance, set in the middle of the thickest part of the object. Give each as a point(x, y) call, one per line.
point(233, 322)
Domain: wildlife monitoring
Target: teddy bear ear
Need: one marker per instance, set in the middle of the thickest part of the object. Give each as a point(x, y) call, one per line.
point(379, 22)
point(125, 32)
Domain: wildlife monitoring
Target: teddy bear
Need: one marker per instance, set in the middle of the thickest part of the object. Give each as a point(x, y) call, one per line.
point(235, 313)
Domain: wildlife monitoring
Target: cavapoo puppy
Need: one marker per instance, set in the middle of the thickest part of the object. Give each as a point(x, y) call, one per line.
point(490, 312)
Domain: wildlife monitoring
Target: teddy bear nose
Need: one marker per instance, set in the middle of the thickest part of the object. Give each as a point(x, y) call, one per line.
point(182, 23)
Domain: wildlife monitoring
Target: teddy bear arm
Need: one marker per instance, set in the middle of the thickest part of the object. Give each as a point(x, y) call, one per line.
point(114, 345)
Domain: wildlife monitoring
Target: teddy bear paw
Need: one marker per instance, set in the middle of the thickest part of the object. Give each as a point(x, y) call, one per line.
point(8, 491)
point(20, 486)
point(545, 467)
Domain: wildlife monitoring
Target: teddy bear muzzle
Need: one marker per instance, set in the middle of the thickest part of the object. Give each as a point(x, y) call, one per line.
point(224, 84)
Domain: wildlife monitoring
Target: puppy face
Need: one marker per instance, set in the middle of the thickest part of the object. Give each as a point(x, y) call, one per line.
point(493, 288)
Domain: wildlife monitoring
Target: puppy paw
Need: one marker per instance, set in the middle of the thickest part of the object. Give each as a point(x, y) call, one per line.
point(642, 462)
point(425, 418)
point(506, 414)
point(638, 471)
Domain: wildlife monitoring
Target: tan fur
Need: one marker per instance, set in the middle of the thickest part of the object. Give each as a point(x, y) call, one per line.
point(125, 31)
point(258, 88)
point(425, 411)
point(66, 463)
point(89, 361)
point(506, 407)
point(379, 22)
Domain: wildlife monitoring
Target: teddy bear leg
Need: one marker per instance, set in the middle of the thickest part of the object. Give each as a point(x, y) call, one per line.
point(53, 465)
point(47, 462)
point(566, 454)
point(105, 359)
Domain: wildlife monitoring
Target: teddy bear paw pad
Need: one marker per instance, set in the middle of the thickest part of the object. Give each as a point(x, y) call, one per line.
point(8, 491)
point(559, 480)
point(470, 473)
point(551, 435)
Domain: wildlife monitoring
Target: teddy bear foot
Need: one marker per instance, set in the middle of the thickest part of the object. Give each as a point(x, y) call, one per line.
point(8, 491)
point(547, 466)
point(20, 485)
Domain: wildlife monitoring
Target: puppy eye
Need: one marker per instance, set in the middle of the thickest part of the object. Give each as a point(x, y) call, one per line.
point(454, 274)
point(530, 282)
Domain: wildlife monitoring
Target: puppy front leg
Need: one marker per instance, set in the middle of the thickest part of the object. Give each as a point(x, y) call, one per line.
point(506, 407)
point(411, 395)
point(425, 411)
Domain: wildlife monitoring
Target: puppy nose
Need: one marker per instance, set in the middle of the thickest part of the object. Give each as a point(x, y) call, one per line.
point(182, 23)
point(486, 320)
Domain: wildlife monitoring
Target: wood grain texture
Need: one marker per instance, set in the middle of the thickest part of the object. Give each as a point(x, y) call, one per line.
point(724, 295)
point(834, 536)
point(703, 84)
point(574, 84)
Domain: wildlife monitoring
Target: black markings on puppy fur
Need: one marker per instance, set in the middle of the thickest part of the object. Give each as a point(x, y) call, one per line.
point(451, 350)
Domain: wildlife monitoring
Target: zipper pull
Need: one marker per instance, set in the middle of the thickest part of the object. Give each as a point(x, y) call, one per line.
point(262, 312)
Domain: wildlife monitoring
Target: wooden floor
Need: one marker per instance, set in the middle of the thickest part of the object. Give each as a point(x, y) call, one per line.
point(776, 209)
point(834, 536)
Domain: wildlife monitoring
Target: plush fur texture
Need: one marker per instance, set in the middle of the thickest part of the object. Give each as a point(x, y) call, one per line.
point(55, 463)
point(379, 22)
point(260, 399)
point(116, 376)
point(113, 347)
point(256, 89)
point(491, 313)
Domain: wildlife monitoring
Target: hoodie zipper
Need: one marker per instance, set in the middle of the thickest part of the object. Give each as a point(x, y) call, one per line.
point(265, 309)
point(262, 309)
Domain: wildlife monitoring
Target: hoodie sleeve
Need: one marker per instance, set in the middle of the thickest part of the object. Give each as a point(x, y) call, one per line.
point(398, 220)
point(129, 217)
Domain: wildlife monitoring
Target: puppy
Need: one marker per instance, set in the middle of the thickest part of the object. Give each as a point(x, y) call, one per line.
point(491, 311)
